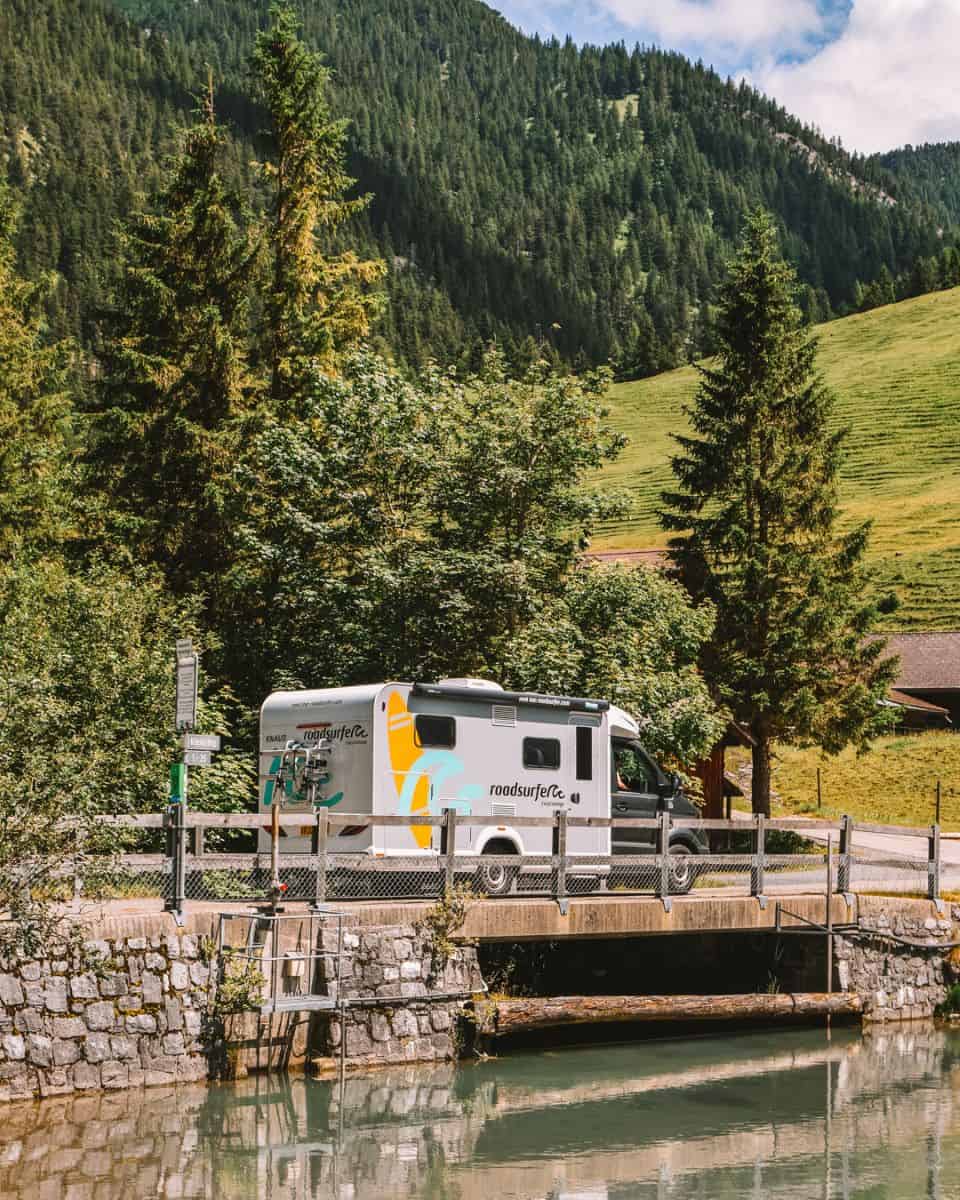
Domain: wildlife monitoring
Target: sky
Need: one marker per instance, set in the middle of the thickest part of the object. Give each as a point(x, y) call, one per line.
point(876, 73)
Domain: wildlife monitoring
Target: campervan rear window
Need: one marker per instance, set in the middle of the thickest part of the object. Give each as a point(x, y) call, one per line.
point(435, 731)
point(541, 753)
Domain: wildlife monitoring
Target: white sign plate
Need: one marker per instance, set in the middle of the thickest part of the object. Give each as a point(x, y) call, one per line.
point(197, 758)
point(200, 741)
point(187, 692)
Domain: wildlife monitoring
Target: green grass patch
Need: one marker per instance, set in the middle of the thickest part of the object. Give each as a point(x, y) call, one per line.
point(894, 783)
point(896, 374)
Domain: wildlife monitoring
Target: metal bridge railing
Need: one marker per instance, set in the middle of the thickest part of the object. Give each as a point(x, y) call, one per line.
point(752, 856)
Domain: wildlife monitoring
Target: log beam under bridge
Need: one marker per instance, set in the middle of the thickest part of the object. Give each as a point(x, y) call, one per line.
point(502, 1018)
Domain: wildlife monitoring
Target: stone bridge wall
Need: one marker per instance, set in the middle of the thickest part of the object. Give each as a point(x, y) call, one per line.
point(897, 982)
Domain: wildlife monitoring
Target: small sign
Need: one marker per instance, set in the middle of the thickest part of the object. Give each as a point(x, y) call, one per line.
point(197, 758)
point(187, 673)
point(200, 741)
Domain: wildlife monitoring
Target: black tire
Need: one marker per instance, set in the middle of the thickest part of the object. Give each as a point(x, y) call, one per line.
point(683, 873)
point(496, 879)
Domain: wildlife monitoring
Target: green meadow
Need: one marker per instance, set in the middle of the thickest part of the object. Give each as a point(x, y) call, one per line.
point(895, 372)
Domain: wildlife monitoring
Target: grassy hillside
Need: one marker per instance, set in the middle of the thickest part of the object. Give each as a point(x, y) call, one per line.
point(896, 375)
point(894, 783)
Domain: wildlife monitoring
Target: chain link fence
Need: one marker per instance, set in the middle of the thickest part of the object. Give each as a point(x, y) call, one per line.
point(734, 858)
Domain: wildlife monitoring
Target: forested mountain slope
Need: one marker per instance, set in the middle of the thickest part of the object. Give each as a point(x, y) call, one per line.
point(930, 173)
point(583, 198)
point(896, 375)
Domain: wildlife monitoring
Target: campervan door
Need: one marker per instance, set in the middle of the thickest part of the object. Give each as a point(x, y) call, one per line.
point(491, 754)
point(344, 718)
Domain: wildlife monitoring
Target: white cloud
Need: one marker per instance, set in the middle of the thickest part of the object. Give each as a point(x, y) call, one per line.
point(889, 78)
point(721, 28)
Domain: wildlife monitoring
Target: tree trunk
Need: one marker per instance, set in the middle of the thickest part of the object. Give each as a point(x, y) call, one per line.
point(760, 783)
point(504, 1017)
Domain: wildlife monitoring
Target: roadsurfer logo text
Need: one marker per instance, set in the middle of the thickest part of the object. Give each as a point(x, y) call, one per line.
point(332, 733)
point(528, 791)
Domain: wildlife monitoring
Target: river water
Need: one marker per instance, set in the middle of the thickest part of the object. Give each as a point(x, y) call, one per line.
point(785, 1114)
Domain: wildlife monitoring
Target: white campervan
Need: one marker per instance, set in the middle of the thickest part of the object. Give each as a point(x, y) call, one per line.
point(402, 748)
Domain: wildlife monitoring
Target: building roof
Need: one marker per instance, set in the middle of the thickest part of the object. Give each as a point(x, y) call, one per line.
point(906, 701)
point(928, 661)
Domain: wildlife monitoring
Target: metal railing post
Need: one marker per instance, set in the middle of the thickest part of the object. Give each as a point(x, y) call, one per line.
point(759, 862)
point(933, 865)
point(663, 854)
point(559, 833)
point(176, 834)
point(320, 854)
point(448, 847)
point(845, 859)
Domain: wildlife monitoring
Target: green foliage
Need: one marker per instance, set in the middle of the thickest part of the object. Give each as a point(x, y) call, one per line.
point(35, 423)
point(443, 921)
point(174, 381)
point(582, 197)
point(896, 379)
point(951, 1002)
point(754, 515)
point(316, 307)
point(632, 637)
point(239, 987)
point(399, 530)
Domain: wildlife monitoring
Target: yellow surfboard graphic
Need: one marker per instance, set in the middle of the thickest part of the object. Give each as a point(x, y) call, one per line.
point(404, 752)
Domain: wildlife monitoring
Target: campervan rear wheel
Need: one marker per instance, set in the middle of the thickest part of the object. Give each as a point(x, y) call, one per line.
point(496, 879)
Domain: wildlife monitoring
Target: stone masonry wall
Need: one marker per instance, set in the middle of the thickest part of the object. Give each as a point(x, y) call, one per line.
point(896, 982)
point(416, 1000)
point(129, 1014)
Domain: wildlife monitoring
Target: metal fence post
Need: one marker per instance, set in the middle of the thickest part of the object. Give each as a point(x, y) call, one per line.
point(758, 866)
point(560, 857)
point(176, 834)
point(320, 855)
point(663, 854)
point(845, 860)
point(448, 847)
point(933, 866)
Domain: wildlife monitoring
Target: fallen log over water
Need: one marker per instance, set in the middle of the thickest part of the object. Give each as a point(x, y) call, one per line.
point(500, 1018)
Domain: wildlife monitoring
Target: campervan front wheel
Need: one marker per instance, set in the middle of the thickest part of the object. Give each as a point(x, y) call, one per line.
point(495, 878)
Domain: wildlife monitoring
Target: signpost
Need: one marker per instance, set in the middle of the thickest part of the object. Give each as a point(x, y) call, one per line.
point(187, 671)
point(198, 751)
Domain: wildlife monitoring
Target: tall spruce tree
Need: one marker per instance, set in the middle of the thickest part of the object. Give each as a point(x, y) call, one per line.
point(319, 302)
point(35, 411)
point(755, 514)
point(174, 377)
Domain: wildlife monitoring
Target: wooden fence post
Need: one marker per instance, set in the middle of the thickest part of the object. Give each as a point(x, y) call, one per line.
point(560, 855)
point(320, 834)
point(448, 847)
point(758, 866)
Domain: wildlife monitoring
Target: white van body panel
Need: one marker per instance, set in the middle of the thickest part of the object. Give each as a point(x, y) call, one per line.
point(379, 764)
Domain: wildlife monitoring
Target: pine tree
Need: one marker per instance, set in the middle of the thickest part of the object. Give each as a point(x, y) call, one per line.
point(34, 410)
point(175, 381)
point(755, 516)
point(319, 303)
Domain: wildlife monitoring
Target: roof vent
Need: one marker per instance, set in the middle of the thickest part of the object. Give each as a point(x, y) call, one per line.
point(485, 684)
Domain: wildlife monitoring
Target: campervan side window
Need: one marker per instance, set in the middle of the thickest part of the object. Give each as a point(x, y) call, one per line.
point(541, 754)
point(435, 731)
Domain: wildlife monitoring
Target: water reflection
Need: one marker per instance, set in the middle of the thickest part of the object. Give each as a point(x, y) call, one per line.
point(782, 1114)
